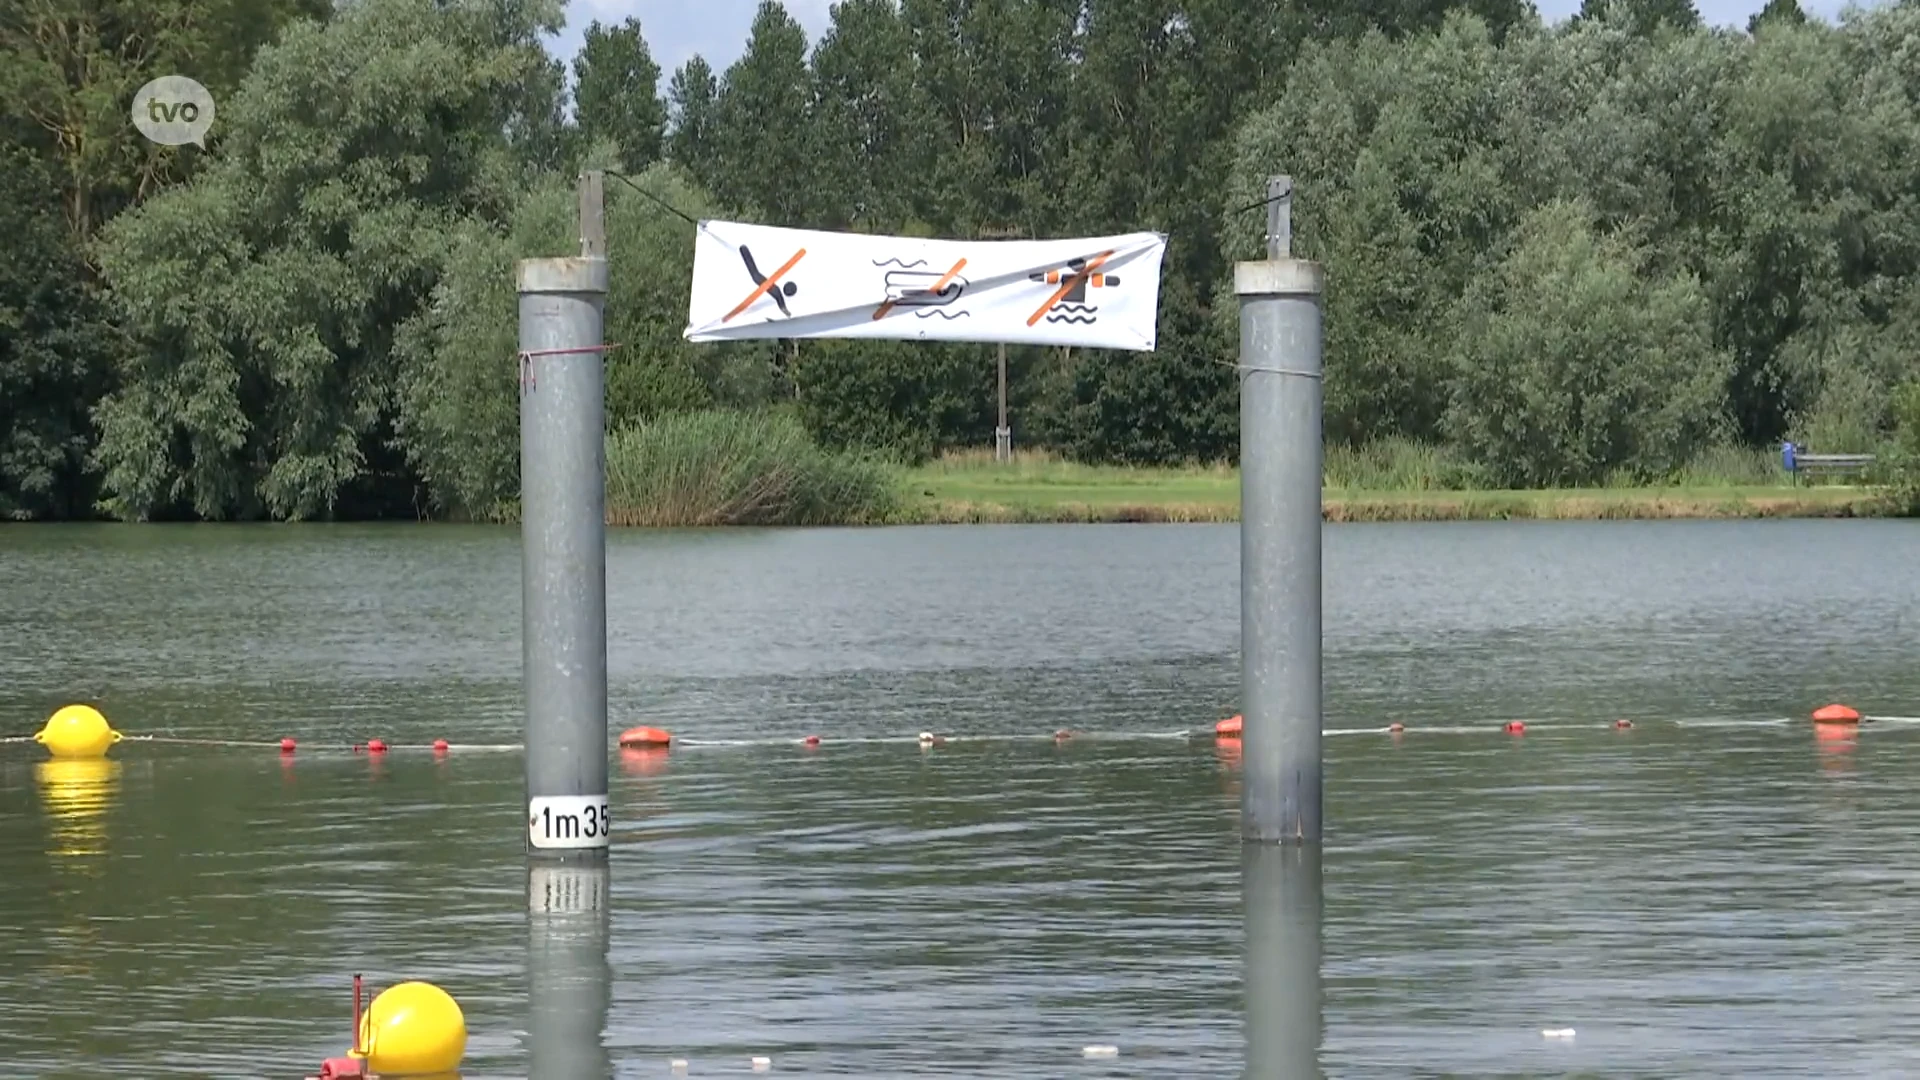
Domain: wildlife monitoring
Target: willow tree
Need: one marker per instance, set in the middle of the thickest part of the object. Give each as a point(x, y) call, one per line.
point(264, 294)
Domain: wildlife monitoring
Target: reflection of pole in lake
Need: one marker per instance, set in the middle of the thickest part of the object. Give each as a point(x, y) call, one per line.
point(1280, 887)
point(570, 982)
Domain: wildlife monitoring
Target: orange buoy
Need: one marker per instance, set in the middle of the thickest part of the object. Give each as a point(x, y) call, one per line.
point(645, 736)
point(1228, 728)
point(1515, 727)
point(1836, 714)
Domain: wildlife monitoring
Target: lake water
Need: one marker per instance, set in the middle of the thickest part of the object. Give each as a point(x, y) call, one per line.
point(1714, 892)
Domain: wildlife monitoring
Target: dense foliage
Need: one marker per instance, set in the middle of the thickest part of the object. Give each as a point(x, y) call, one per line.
point(1585, 253)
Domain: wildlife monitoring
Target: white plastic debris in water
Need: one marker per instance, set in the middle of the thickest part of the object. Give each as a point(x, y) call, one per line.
point(1101, 1052)
point(762, 1064)
point(679, 1064)
point(1556, 1033)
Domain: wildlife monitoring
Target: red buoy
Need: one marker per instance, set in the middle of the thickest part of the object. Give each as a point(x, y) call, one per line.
point(645, 736)
point(812, 740)
point(1515, 727)
point(286, 746)
point(1623, 723)
point(376, 746)
point(1228, 728)
point(439, 746)
point(1836, 714)
point(1396, 727)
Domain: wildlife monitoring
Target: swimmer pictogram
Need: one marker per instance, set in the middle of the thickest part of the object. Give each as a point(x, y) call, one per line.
point(1068, 304)
point(920, 288)
point(768, 284)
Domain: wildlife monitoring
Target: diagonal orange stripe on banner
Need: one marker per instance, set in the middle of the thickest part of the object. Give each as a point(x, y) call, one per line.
point(935, 291)
point(772, 280)
point(1068, 285)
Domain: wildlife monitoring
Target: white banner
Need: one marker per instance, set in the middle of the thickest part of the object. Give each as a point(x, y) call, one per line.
point(757, 281)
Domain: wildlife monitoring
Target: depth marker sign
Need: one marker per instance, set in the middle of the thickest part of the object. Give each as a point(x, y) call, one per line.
point(1101, 292)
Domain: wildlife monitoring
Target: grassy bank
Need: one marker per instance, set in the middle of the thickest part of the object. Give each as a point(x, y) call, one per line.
point(730, 468)
point(973, 488)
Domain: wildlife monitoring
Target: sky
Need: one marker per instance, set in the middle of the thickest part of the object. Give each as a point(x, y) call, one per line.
point(717, 29)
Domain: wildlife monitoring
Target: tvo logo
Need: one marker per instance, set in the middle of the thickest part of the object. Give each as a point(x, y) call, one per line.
point(173, 110)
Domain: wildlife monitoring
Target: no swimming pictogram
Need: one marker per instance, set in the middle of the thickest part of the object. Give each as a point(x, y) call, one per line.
point(1068, 304)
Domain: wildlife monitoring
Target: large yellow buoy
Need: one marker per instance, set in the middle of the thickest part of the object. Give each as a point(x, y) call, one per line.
point(77, 731)
point(413, 1029)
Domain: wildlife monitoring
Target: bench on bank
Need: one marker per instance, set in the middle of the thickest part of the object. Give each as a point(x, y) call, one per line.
point(1800, 463)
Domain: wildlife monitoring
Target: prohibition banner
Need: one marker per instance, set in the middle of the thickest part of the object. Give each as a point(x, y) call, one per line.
point(758, 281)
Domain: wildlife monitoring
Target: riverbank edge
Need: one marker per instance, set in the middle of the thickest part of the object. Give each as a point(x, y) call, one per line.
point(1642, 504)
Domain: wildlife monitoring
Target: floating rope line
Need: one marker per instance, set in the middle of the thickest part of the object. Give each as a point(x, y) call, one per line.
point(662, 741)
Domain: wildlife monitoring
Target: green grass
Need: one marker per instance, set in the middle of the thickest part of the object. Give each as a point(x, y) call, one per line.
point(1385, 483)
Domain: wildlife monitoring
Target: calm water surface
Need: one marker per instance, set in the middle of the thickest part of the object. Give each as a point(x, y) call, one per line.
point(1715, 892)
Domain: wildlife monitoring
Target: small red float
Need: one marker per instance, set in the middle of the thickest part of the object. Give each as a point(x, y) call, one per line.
point(286, 746)
point(811, 740)
point(1836, 714)
point(645, 736)
point(439, 746)
point(1623, 724)
point(1515, 727)
point(1396, 727)
point(376, 746)
point(1228, 728)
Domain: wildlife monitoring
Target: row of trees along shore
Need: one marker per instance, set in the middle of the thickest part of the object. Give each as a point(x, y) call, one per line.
point(1582, 253)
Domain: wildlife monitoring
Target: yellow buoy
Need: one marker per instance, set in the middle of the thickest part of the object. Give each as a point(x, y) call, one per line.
point(77, 731)
point(413, 1029)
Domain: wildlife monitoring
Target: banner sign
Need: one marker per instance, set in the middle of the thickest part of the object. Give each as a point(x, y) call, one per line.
point(758, 281)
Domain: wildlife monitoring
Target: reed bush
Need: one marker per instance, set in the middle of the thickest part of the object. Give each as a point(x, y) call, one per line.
point(724, 467)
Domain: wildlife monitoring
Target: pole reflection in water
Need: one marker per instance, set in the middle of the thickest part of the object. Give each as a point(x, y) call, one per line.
point(571, 982)
point(1281, 890)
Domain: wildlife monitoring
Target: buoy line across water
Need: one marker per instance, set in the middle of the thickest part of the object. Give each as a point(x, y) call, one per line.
point(80, 731)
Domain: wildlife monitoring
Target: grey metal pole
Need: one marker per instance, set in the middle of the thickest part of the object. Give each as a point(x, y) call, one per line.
point(1002, 434)
point(570, 983)
point(563, 552)
point(1281, 889)
point(1280, 475)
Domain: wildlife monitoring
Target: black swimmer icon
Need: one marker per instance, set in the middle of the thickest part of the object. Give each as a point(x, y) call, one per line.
point(777, 291)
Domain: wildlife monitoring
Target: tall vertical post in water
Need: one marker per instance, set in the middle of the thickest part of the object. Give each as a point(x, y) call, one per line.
point(1280, 468)
point(563, 542)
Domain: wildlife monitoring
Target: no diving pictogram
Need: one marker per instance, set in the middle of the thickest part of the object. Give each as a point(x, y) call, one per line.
point(768, 285)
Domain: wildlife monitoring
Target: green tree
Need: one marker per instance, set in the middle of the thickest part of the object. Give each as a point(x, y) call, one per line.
point(870, 121)
point(761, 123)
point(692, 112)
point(616, 94)
point(1643, 17)
point(1777, 12)
point(1573, 363)
point(70, 68)
point(458, 412)
point(265, 293)
point(53, 345)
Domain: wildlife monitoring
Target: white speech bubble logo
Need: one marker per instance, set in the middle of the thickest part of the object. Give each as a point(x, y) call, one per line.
point(173, 110)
